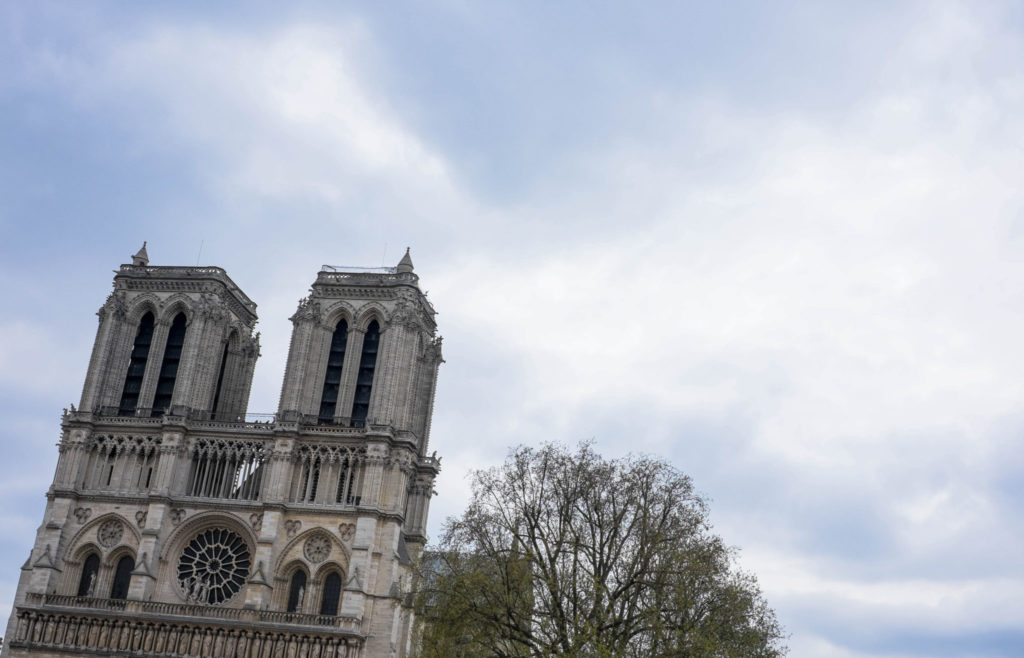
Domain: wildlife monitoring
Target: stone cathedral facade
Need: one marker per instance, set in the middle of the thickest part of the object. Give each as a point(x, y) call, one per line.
point(178, 525)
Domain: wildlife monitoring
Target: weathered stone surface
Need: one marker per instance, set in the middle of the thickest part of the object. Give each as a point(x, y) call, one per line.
point(216, 511)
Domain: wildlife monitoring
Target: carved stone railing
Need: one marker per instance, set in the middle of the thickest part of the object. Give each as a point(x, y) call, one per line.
point(56, 631)
point(250, 422)
point(365, 278)
point(359, 270)
point(348, 625)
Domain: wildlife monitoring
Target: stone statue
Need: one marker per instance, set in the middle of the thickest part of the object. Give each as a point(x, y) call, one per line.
point(90, 590)
point(300, 598)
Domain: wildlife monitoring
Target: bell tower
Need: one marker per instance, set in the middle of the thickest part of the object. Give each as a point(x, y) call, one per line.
point(178, 523)
point(172, 338)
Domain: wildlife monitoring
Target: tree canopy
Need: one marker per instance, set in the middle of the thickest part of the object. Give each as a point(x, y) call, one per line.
point(563, 553)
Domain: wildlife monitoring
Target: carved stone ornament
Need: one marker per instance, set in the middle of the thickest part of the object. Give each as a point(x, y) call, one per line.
point(115, 306)
point(292, 527)
point(251, 345)
point(347, 530)
point(317, 548)
point(140, 518)
point(256, 521)
point(110, 532)
point(405, 314)
point(177, 515)
point(82, 514)
point(308, 310)
point(212, 308)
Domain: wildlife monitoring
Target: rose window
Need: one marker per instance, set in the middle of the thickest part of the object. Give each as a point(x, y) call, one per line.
point(214, 566)
point(110, 532)
point(317, 548)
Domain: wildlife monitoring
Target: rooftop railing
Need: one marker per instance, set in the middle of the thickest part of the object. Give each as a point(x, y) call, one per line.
point(359, 270)
point(250, 421)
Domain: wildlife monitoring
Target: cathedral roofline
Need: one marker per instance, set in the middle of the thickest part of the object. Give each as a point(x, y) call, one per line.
point(135, 273)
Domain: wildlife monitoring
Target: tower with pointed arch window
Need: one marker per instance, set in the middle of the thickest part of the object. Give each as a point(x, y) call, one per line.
point(178, 523)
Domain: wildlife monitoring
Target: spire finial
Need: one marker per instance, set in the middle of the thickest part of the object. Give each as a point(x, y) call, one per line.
point(141, 258)
point(405, 265)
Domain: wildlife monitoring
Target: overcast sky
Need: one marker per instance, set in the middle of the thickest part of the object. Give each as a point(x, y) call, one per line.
point(780, 245)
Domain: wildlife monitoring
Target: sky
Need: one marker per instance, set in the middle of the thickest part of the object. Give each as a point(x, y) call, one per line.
point(780, 245)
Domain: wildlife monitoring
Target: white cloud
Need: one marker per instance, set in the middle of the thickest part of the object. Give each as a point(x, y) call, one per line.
point(285, 115)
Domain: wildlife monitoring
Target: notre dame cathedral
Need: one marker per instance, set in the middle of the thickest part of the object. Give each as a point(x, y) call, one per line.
point(179, 525)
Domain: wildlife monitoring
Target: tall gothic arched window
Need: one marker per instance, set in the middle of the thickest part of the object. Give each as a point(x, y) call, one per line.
point(90, 571)
point(136, 367)
point(297, 591)
point(169, 367)
point(220, 381)
point(331, 594)
point(364, 379)
point(332, 378)
point(122, 577)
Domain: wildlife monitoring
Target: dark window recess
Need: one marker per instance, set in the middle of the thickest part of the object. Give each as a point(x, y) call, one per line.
point(220, 381)
point(122, 577)
point(169, 367)
point(345, 482)
point(136, 367)
point(297, 591)
point(332, 379)
point(332, 592)
point(90, 571)
point(364, 380)
point(310, 481)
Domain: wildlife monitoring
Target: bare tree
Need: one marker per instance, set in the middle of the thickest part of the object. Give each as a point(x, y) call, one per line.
point(564, 553)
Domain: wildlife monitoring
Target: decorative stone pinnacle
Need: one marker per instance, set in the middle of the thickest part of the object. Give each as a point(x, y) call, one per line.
point(405, 265)
point(141, 258)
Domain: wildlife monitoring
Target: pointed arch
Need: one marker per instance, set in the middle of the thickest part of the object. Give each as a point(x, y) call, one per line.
point(175, 304)
point(370, 312)
point(144, 303)
point(292, 553)
point(340, 310)
point(84, 540)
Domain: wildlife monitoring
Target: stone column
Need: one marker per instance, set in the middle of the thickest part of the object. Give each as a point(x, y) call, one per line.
point(111, 321)
point(173, 467)
point(349, 372)
point(276, 485)
point(373, 474)
point(188, 362)
point(381, 398)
